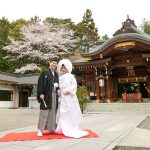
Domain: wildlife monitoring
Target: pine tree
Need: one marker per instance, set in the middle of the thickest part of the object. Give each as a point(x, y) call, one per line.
point(86, 31)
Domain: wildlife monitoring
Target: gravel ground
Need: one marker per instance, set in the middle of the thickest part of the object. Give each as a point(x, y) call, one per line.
point(17, 118)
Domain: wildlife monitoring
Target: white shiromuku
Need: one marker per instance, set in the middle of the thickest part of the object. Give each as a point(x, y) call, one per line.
point(69, 114)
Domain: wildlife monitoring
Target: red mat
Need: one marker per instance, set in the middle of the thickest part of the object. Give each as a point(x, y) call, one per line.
point(25, 136)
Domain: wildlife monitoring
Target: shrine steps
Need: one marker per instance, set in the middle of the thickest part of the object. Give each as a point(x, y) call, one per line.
point(118, 107)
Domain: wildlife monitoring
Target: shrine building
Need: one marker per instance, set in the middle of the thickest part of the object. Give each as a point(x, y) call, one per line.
point(119, 68)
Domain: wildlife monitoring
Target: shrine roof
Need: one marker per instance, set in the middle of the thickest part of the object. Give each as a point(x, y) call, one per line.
point(18, 79)
point(128, 32)
point(121, 37)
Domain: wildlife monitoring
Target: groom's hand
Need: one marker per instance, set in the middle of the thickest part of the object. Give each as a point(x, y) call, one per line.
point(42, 96)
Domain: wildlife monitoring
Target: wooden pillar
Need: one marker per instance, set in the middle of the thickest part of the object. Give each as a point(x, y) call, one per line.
point(21, 97)
point(108, 89)
point(14, 97)
point(148, 79)
point(97, 91)
point(97, 87)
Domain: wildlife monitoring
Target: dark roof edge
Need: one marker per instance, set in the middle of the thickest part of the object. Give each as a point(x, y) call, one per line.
point(101, 61)
point(118, 38)
point(16, 75)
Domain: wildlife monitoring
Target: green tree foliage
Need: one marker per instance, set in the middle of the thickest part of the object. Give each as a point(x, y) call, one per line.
point(66, 21)
point(58, 21)
point(83, 97)
point(4, 31)
point(146, 26)
point(105, 37)
point(14, 28)
point(35, 19)
point(86, 31)
point(9, 29)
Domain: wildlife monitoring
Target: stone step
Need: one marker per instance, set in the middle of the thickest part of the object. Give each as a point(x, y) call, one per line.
point(119, 107)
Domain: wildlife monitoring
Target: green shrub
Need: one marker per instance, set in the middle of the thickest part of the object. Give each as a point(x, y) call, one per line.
point(83, 97)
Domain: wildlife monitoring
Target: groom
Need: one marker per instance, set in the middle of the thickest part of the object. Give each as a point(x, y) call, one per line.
point(46, 96)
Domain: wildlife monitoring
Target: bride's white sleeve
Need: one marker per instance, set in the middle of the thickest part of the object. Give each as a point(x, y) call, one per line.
point(72, 88)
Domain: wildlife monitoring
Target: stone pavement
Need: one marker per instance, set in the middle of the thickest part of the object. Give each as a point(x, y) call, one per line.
point(113, 128)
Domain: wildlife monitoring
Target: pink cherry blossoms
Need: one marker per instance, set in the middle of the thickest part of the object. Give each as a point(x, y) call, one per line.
point(42, 41)
point(27, 67)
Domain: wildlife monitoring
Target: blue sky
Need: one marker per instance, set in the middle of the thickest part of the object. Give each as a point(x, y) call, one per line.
point(107, 14)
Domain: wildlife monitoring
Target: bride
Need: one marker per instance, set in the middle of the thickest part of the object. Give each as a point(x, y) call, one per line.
point(69, 114)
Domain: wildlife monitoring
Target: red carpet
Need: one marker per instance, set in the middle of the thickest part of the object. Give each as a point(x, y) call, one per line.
point(25, 136)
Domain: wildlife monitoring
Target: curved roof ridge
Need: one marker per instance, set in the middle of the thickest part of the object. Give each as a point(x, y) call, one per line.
point(139, 31)
point(136, 29)
point(118, 38)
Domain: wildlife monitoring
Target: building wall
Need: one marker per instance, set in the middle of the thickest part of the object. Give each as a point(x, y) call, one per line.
point(15, 96)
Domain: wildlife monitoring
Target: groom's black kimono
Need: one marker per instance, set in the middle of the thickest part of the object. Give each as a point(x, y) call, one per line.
point(47, 118)
point(45, 86)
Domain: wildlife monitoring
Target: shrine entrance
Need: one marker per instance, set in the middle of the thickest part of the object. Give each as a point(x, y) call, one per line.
point(133, 87)
point(133, 91)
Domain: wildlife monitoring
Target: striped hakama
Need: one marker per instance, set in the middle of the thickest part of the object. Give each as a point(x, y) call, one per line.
point(47, 118)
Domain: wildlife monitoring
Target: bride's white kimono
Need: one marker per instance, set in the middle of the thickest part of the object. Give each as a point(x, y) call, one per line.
point(69, 114)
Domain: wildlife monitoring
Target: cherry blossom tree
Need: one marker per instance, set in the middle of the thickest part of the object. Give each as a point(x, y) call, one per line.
point(41, 41)
point(27, 67)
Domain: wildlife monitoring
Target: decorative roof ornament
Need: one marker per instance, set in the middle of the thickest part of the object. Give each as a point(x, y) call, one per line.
point(128, 26)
